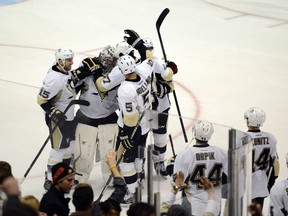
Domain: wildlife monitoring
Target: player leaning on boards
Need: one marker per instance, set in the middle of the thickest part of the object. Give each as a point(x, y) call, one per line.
point(279, 197)
point(96, 124)
point(202, 159)
point(265, 167)
point(57, 91)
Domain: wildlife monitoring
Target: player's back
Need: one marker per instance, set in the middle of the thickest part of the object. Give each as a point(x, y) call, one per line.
point(264, 147)
point(201, 160)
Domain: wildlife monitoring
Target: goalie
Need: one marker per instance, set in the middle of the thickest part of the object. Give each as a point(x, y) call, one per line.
point(96, 125)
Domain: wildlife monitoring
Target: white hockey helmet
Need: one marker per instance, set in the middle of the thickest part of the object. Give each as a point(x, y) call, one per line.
point(255, 117)
point(122, 48)
point(148, 43)
point(202, 130)
point(63, 54)
point(106, 57)
point(126, 64)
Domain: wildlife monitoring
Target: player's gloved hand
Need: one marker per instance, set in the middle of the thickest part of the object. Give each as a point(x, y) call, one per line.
point(57, 116)
point(127, 143)
point(134, 39)
point(92, 65)
point(173, 66)
point(162, 90)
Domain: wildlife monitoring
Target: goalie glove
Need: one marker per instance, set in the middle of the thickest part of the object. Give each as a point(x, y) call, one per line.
point(57, 116)
point(173, 66)
point(125, 137)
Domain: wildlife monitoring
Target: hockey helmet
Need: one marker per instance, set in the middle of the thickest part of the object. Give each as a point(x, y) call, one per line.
point(126, 64)
point(148, 43)
point(63, 54)
point(255, 117)
point(202, 130)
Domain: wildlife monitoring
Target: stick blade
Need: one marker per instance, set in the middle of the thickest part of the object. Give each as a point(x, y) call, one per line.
point(162, 17)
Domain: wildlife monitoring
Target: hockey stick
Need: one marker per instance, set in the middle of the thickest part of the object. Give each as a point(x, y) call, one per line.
point(158, 25)
point(119, 160)
point(172, 145)
point(73, 102)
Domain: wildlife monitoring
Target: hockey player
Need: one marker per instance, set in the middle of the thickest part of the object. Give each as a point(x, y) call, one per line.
point(164, 84)
point(134, 98)
point(57, 91)
point(264, 158)
point(97, 124)
point(202, 159)
point(279, 197)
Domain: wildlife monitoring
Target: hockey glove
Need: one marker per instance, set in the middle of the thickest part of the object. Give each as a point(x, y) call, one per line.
point(80, 73)
point(134, 39)
point(57, 116)
point(126, 141)
point(162, 90)
point(173, 66)
point(92, 65)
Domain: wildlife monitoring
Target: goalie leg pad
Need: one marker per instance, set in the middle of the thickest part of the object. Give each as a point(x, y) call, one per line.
point(107, 135)
point(84, 149)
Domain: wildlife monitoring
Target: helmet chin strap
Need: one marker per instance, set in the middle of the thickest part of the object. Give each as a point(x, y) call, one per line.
point(62, 67)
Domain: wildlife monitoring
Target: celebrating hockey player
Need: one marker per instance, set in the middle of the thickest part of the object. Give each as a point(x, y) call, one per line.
point(164, 85)
point(134, 98)
point(265, 167)
point(97, 124)
point(57, 92)
point(202, 159)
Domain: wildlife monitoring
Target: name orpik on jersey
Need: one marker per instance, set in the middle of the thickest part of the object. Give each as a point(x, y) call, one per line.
point(205, 156)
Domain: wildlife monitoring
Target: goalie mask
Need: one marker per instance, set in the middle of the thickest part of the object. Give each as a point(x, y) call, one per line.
point(126, 64)
point(202, 130)
point(107, 59)
point(255, 117)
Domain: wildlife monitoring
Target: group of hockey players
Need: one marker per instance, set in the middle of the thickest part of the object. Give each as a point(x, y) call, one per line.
point(125, 85)
point(126, 79)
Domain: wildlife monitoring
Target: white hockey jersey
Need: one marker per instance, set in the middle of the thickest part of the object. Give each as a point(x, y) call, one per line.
point(59, 88)
point(110, 81)
point(264, 147)
point(205, 160)
point(134, 98)
point(162, 74)
point(101, 104)
point(279, 199)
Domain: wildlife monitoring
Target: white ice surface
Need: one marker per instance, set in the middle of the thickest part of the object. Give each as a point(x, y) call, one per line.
point(231, 55)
